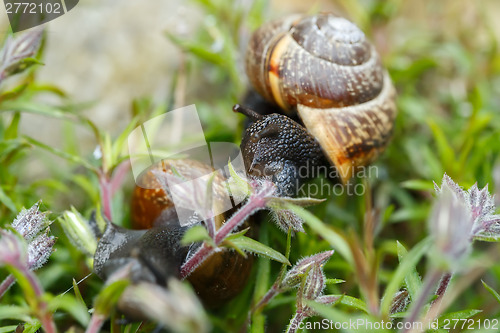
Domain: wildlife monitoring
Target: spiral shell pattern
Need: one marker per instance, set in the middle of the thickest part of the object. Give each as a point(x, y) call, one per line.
point(324, 67)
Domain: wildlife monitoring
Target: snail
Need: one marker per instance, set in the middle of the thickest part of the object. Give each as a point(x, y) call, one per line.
point(324, 68)
point(155, 249)
point(320, 66)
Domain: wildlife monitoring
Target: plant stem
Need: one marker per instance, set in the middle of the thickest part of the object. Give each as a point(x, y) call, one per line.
point(430, 281)
point(6, 284)
point(266, 298)
point(295, 322)
point(275, 287)
point(442, 287)
point(119, 176)
point(253, 204)
point(95, 323)
point(105, 195)
point(203, 252)
point(256, 202)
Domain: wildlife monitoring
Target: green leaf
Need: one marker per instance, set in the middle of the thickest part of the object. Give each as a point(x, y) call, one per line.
point(76, 290)
point(32, 326)
point(14, 312)
point(7, 329)
point(334, 281)
point(487, 238)
point(71, 305)
point(32, 107)
point(492, 291)
point(198, 49)
point(302, 202)
point(353, 302)
point(412, 279)
point(405, 267)
point(72, 158)
point(237, 234)
point(118, 144)
point(338, 316)
point(336, 240)
point(418, 185)
point(261, 285)
point(445, 150)
point(78, 231)
point(253, 246)
point(11, 131)
point(238, 185)
point(197, 233)
point(9, 148)
point(464, 314)
point(109, 296)
point(4, 198)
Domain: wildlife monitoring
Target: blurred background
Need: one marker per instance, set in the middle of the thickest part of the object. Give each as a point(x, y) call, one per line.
point(110, 52)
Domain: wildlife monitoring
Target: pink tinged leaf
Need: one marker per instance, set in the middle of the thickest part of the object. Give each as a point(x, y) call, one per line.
point(400, 301)
point(450, 225)
point(12, 250)
point(287, 219)
point(17, 49)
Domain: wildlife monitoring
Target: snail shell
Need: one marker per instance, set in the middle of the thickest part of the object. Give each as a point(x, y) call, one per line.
point(324, 67)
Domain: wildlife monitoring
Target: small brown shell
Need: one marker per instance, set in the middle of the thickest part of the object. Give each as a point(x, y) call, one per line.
point(324, 67)
point(150, 204)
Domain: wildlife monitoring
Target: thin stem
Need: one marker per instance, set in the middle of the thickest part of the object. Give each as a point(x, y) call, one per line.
point(34, 296)
point(6, 284)
point(442, 287)
point(95, 323)
point(275, 287)
point(105, 195)
point(203, 252)
point(295, 322)
point(255, 203)
point(430, 281)
point(119, 176)
point(266, 298)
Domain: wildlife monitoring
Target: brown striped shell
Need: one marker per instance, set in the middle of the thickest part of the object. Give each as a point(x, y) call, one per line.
point(324, 67)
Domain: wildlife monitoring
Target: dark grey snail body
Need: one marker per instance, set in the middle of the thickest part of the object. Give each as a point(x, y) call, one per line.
point(324, 68)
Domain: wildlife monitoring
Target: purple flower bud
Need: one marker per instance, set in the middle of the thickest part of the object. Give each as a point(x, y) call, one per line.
point(450, 225)
point(285, 219)
point(295, 275)
point(40, 249)
point(30, 222)
point(314, 284)
point(327, 299)
point(483, 224)
point(400, 301)
point(12, 250)
point(16, 50)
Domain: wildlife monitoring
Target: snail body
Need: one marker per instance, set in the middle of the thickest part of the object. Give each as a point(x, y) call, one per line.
point(324, 68)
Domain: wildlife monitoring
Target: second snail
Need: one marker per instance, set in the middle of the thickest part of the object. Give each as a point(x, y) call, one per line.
point(320, 66)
